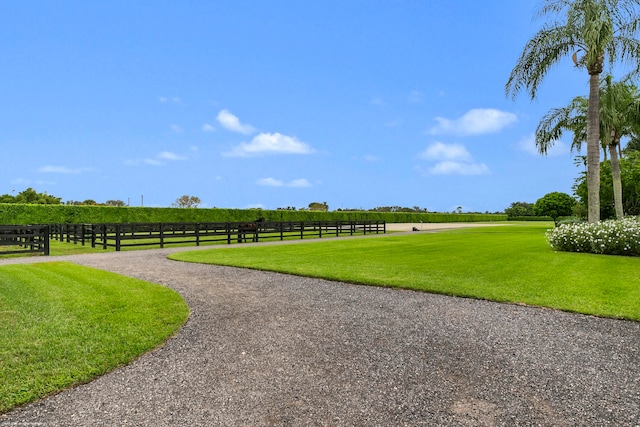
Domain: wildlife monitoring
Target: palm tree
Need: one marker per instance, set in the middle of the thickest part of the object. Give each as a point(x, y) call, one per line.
point(599, 30)
point(619, 114)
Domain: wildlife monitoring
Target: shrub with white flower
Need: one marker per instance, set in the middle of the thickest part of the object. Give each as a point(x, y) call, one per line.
point(610, 237)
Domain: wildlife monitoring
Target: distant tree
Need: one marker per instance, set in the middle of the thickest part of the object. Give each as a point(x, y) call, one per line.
point(398, 209)
point(7, 198)
point(187, 202)
point(31, 196)
point(554, 205)
point(114, 203)
point(316, 206)
point(519, 209)
point(90, 202)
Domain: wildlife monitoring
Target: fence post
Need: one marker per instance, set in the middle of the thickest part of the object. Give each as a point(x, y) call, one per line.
point(162, 235)
point(46, 239)
point(118, 229)
point(93, 235)
point(197, 234)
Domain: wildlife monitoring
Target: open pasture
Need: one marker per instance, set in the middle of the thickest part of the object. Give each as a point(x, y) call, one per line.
point(510, 263)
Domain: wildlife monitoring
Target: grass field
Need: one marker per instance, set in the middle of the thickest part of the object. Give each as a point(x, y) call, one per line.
point(62, 324)
point(510, 263)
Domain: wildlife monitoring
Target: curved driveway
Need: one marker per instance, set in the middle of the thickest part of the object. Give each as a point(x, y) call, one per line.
point(264, 349)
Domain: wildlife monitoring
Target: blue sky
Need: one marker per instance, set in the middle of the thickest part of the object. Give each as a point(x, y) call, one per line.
point(356, 103)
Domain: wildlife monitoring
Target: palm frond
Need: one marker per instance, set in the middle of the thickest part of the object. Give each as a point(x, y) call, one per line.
point(545, 49)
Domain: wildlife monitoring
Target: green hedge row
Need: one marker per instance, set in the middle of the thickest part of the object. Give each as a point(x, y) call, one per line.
point(530, 218)
point(50, 214)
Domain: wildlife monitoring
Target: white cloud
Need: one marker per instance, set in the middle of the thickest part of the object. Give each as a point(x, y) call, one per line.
point(152, 162)
point(168, 155)
point(176, 129)
point(62, 169)
point(160, 159)
point(270, 143)
point(474, 122)
point(273, 182)
point(528, 144)
point(270, 182)
point(442, 151)
point(208, 128)
point(452, 159)
point(459, 168)
point(232, 123)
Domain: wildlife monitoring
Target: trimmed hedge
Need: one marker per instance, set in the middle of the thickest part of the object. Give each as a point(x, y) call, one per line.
point(20, 214)
point(530, 218)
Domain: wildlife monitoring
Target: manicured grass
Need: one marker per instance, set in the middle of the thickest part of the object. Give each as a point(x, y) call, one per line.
point(57, 248)
point(510, 263)
point(62, 324)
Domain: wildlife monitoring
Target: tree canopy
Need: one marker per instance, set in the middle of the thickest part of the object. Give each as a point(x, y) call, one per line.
point(31, 196)
point(554, 205)
point(187, 202)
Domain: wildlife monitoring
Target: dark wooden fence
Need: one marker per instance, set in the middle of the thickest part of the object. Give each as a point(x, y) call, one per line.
point(120, 236)
point(24, 239)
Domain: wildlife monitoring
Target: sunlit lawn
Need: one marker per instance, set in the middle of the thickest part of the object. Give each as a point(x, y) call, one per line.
point(509, 263)
point(62, 324)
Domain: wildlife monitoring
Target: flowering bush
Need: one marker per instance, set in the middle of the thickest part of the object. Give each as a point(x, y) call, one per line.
point(611, 237)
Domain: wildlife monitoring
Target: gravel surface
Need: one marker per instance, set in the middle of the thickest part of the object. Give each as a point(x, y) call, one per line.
point(263, 349)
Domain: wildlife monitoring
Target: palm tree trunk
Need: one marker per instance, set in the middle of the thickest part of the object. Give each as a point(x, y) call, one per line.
point(616, 176)
point(593, 149)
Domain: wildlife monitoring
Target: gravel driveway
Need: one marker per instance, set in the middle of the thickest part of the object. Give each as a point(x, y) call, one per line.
point(263, 349)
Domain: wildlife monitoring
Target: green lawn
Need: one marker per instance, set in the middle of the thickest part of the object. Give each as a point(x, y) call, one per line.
point(62, 324)
point(508, 263)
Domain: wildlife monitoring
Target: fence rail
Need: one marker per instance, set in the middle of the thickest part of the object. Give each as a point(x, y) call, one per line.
point(120, 236)
point(24, 239)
